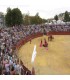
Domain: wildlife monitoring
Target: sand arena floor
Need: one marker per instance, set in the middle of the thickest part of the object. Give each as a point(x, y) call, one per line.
point(55, 60)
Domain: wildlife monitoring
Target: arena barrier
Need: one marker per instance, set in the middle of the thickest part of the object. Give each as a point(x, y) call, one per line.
point(22, 42)
point(59, 33)
point(28, 38)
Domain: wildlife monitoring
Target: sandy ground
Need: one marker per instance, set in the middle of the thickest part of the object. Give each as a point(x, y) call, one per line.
point(55, 60)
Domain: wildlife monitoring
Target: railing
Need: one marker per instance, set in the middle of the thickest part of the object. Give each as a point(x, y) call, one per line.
point(28, 38)
point(59, 33)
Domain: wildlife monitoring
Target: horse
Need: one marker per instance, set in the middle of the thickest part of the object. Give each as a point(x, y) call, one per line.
point(50, 38)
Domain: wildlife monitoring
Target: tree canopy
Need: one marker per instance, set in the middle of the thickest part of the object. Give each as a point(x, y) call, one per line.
point(66, 17)
point(8, 17)
point(13, 17)
point(56, 17)
point(33, 19)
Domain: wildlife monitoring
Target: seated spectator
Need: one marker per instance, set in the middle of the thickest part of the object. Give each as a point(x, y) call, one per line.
point(12, 70)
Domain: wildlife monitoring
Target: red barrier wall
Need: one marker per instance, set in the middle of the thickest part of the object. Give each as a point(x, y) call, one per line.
point(28, 38)
point(59, 33)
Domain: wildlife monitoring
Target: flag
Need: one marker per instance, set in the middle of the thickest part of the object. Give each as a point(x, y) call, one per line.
point(33, 54)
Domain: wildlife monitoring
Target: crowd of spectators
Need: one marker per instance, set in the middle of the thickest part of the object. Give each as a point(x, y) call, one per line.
point(57, 28)
point(9, 62)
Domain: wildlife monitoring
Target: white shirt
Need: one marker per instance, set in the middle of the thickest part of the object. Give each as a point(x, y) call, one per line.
point(7, 67)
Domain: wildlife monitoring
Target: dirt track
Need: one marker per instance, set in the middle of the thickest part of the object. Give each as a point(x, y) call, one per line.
point(54, 61)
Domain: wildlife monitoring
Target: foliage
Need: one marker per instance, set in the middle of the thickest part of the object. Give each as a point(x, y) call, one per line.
point(13, 17)
point(56, 17)
point(33, 19)
point(66, 17)
point(8, 17)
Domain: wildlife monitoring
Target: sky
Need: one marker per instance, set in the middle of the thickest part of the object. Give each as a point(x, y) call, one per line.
point(45, 8)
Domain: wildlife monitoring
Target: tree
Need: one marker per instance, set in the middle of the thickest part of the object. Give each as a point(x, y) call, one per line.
point(26, 19)
point(13, 17)
point(38, 19)
point(56, 18)
point(33, 19)
point(30, 20)
point(66, 17)
point(17, 18)
point(44, 20)
point(8, 17)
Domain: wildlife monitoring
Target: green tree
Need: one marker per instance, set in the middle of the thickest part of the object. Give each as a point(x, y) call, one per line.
point(44, 20)
point(38, 19)
point(8, 17)
point(66, 17)
point(17, 18)
point(26, 19)
point(13, 17)
point(33, 19)
point(56, 18)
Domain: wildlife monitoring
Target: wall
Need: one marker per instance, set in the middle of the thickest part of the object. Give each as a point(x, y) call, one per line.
point(59, 33)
